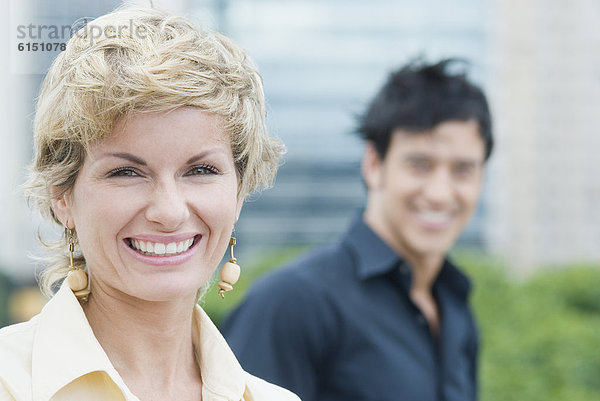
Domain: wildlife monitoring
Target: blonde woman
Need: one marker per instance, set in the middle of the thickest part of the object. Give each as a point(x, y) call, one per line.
point(149, 133)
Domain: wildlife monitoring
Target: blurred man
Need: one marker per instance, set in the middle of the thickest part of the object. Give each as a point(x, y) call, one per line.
point(382, 314)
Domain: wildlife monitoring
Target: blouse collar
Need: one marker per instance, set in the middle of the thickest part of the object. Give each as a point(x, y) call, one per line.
point(65, 349)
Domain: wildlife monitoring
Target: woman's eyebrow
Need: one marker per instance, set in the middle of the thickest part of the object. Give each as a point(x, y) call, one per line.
point(128, 156)
point(202, 155)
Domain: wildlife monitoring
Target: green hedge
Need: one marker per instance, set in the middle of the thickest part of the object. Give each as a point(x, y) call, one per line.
point(540, 337)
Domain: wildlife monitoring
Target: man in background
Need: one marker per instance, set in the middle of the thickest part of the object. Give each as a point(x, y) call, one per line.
point(383, 314)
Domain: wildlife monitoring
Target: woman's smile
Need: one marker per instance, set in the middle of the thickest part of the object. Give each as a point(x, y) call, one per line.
point(163, 253)
point(160, 249)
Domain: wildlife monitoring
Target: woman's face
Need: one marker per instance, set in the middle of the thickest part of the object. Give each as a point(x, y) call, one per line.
point(154, 204)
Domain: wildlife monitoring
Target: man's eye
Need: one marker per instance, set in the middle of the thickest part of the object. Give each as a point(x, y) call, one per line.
point(464, 169)
point(123, 172)
point(202, 170)
point(420, 164)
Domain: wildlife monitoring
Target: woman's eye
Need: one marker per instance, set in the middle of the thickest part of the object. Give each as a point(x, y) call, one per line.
point(202, 170)
point(123, 172)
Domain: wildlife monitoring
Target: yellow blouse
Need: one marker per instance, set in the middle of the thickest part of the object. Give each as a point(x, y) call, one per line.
point(55, 356)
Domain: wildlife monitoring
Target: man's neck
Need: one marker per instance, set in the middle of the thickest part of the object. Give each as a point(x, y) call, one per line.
point(424, 274)
point(424, 271)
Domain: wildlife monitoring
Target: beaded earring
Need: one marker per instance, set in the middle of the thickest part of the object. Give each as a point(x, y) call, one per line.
point(76, 278)
point(230, 272)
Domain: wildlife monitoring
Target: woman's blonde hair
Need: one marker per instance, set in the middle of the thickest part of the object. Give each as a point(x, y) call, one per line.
point(137, 60)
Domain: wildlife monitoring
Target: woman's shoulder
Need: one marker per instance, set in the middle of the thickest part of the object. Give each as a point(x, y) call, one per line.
point(16, 345)
point(261, 390)
point(17, 339)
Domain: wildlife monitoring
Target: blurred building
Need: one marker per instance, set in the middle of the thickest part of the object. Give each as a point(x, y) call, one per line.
point(16, 228)
point(542, 203)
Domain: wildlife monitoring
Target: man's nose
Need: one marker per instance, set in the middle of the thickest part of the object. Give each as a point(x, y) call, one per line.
point(439, 187)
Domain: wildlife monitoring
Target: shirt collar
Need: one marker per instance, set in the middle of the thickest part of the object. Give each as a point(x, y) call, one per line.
point(65, 349)
point(453, 279)
point(373, 256)
point(222, 375)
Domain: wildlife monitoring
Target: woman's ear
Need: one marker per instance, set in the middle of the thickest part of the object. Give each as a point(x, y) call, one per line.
point(61, 205)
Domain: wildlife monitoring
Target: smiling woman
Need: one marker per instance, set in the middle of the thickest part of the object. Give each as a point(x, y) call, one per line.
point(145, 148)
point(164, 180)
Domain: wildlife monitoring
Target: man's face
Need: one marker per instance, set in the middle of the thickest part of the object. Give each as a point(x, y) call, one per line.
point(426, 188)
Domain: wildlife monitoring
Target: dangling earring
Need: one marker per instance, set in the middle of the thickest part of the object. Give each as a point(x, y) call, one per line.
point(230, 272)
point(77, 278)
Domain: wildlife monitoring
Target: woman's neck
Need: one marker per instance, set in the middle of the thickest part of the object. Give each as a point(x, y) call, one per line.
point(148, 343)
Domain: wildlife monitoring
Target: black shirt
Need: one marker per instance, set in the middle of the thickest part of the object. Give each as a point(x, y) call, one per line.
point(338, 324)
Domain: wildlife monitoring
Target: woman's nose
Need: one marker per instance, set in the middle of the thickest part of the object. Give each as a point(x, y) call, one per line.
point(168, 207)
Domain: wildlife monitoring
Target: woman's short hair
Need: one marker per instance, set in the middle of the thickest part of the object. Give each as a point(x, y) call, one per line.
point(137, 60)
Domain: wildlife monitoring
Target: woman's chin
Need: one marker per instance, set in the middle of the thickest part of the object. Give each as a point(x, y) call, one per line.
point(164, 291)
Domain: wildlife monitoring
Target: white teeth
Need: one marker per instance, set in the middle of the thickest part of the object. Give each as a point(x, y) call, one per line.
point(171, 247)
point(161, 249)
point(435, 217)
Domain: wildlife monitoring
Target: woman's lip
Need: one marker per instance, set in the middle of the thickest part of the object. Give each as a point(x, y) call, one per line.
point(164, 260)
